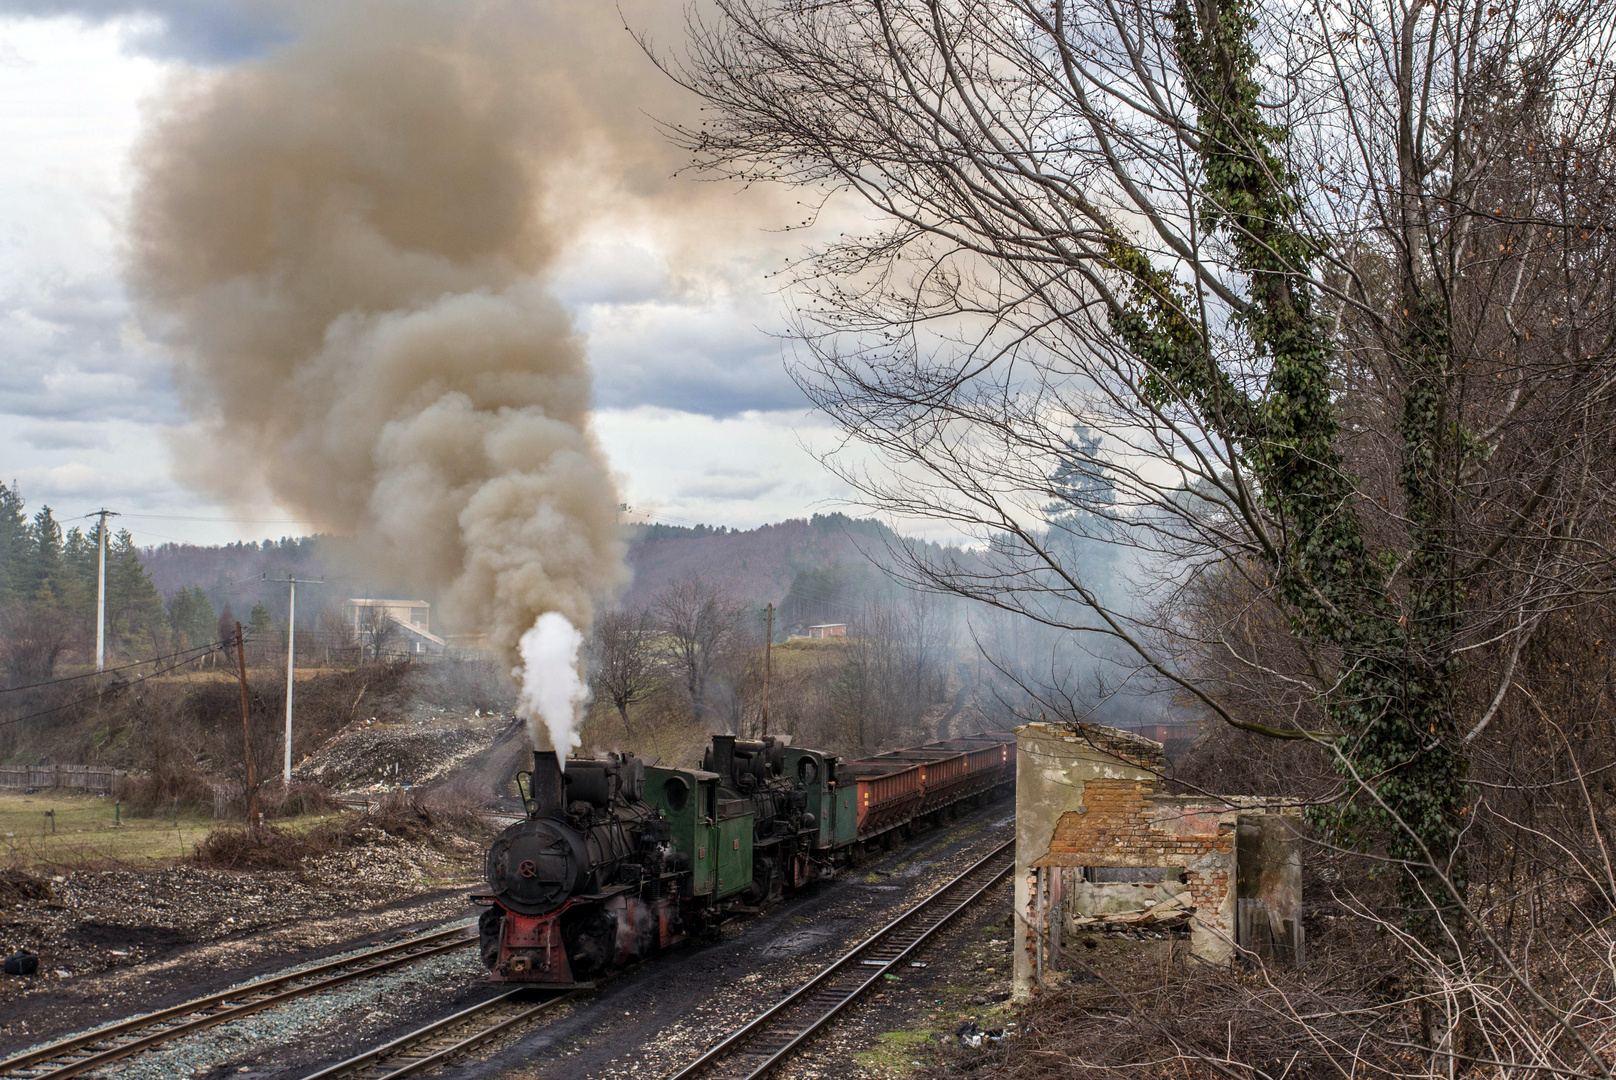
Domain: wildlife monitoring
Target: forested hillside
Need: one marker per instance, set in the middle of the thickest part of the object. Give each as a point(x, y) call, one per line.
point(756, 566)
point(816, 569)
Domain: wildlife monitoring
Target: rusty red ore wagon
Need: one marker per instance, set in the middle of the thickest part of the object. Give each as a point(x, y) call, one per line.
point(616, 860)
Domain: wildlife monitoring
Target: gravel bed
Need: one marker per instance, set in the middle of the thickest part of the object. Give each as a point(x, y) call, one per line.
point(100, 919)
point(117, 942)
point(269, 1038)
point(424, 967)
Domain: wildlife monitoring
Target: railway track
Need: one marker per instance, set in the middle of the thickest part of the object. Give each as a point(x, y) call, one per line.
point(441, 1041)
point(437, 1044)
point(81, 1054)
point(764, 1042)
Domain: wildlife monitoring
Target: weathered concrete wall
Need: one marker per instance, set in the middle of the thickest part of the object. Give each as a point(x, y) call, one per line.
point(1091, 800)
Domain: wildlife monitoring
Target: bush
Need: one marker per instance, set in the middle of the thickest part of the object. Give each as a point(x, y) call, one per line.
point(429, 819)
point(266, 849)
point(17, 885)
point(177, 785)
point(278, 800)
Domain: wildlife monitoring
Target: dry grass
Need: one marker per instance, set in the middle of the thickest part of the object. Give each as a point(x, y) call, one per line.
point(1153, 1016)
point(66, 829)
point(432, 820)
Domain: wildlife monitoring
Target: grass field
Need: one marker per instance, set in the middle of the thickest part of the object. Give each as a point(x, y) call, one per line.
point(87, 831)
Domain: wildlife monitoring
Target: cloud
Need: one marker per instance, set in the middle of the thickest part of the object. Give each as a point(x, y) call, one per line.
point(742, 470)
point(65, 354)
point(696, 338)
point(713, 360)
point(725, 485)
point(196, 31)
point(65, 435)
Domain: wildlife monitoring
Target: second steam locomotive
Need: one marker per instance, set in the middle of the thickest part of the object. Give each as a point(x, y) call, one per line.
point(615, 860)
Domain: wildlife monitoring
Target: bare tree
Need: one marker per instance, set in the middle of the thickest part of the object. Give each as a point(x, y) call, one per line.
point(1331, 279)
point(893, 671)
point(33, 637)
point(701, 622)
point(622, 661)
point(225, 630)
point(336, 633)
point(377, 629)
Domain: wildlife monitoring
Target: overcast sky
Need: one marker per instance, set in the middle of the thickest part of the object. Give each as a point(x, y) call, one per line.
point(695, 409)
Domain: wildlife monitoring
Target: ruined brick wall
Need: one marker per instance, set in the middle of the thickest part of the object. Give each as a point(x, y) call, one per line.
point(1090, 796)
point(1124, 746)
point(1130, 823)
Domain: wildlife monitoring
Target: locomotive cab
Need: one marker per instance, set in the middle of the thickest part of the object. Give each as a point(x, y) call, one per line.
point(816, 772)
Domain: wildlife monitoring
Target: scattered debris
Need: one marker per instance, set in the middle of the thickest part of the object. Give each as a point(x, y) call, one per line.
point(383, 756)
point(22, 962)
point(973, 1037)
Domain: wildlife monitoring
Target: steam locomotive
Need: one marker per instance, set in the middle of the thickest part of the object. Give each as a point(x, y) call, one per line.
point(616, 860)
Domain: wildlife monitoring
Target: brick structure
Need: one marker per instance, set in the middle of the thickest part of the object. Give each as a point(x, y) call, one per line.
point(1099, 842)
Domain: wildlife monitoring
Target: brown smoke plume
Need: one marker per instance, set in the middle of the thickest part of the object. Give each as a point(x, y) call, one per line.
point(344, 243)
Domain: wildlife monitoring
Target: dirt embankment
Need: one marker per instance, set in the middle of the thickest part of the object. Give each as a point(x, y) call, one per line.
point(116, 938)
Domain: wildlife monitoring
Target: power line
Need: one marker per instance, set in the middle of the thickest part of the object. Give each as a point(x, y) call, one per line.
point(220, 520)
point(108, 671)
point(215, 647)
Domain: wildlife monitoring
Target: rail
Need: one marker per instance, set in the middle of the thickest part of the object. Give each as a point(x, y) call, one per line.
point(93, 1049)
point(766, 1040)
point(441, 1041)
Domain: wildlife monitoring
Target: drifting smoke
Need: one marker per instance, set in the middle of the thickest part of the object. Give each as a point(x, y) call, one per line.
point(343, 242)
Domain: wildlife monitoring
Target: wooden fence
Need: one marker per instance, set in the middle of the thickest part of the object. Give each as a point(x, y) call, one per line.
point(81, 777)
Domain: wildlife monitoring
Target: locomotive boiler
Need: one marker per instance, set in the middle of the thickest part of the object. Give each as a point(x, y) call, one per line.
point(586, 882)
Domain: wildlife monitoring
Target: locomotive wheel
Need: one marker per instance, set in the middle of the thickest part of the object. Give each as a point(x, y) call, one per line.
point(489, 924)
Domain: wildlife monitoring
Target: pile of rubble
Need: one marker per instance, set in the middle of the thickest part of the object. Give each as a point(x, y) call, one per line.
point(369, 758)
point(1170, 913)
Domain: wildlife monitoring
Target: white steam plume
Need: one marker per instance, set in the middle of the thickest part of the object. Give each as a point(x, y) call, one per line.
point(552, 689)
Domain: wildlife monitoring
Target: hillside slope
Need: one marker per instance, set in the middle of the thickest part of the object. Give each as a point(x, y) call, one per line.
point(756, 566)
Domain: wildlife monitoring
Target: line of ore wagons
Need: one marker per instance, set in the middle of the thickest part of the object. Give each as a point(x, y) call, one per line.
point(855, 803)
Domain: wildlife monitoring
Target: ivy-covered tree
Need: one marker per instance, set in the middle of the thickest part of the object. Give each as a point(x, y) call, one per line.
point(1333, 280)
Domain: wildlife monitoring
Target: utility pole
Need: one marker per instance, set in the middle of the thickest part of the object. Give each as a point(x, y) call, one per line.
point(246, 733)
point(101, 590)
point(291, 633)
point(768, 646)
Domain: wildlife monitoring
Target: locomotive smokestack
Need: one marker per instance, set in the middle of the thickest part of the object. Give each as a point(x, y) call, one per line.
point(548, 783)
